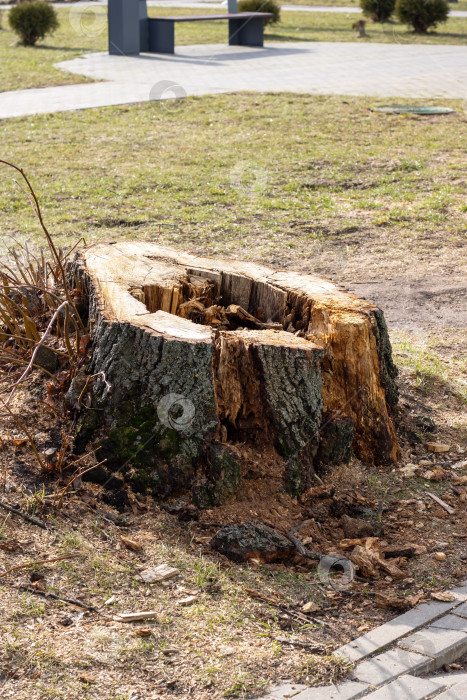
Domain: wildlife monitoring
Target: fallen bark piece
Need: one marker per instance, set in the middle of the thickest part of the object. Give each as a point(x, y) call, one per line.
point(442, 503)
point(384, 601)
point(163, 572)
point(245, 541)
point(403, 550)
point(437, 447)
point(136, 616)
point(130, 543)
point(459, 465)
point(444, 596)
point(460, 480)
point(174, 384)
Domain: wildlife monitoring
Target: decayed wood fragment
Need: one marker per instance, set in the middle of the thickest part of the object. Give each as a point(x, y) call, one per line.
point(253, 354)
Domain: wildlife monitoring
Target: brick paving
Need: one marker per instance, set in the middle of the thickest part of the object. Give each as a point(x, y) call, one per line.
point(391, 659)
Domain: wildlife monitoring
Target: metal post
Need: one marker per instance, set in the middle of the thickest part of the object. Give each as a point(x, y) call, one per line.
point(232, 6)
point(124, 27)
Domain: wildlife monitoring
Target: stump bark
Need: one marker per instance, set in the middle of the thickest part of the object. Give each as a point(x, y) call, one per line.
point(202, 355)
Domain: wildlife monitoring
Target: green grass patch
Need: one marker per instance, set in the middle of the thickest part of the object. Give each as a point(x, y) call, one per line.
point(429, 367)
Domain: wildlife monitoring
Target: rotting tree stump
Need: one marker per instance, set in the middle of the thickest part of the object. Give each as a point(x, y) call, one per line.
point(203, 355)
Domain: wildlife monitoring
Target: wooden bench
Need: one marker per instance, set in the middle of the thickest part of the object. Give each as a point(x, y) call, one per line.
point(245, 29)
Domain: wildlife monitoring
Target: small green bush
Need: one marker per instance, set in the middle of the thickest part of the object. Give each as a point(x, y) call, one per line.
point(262, 6)
point(378, 10)
point(32, 21)
point(422, 14)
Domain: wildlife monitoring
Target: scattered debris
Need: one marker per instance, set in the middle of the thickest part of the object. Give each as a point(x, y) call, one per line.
point(163, 572)
point(442, 503)
point(368, 559)
point(110, 600)
point(459, 465)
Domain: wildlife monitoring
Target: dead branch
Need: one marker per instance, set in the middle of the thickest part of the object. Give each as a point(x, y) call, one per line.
point(60, 598)
point(26, 517)
point(301, 549)
point(39, 561)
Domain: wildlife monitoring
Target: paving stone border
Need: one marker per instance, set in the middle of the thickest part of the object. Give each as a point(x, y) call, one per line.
point(390, 659)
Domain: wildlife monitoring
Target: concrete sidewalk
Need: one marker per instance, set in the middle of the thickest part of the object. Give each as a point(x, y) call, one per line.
point(374, 70)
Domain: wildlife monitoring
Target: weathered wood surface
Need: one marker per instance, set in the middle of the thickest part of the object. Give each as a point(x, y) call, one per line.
point(283, 359)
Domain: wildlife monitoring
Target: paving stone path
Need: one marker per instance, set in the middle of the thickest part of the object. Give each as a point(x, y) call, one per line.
point(375, 70)
point(390, 660)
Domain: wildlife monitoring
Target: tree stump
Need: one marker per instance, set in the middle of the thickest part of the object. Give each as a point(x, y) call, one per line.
point(198, 356)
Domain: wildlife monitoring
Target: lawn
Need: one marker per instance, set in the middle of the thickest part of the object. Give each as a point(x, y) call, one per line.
point(84, 30)
point(329, 179)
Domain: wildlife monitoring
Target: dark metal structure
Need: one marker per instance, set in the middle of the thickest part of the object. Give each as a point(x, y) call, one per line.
point(131, 31)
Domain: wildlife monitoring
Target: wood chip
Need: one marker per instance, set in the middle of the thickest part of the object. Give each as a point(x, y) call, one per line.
point(163, 572)
point(440, 556)
point(86, 678)
point(135, 616)
point(444, 596)
point(437, 447)
point(442, 503)
point(310, 607)
point(143, 632)
point(131, 543)
point(189, 600)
